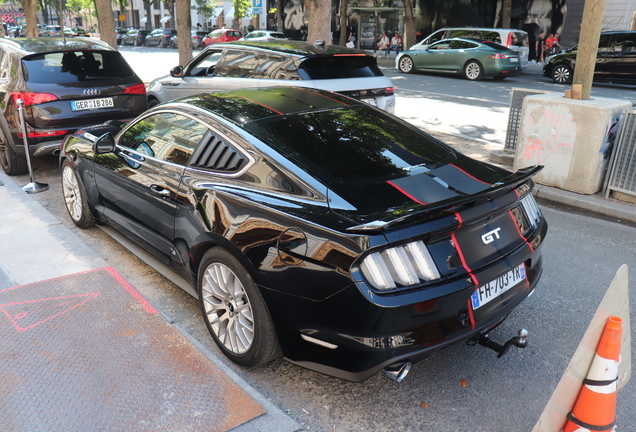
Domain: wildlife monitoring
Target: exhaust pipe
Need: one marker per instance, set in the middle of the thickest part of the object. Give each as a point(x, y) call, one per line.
point(397, 371)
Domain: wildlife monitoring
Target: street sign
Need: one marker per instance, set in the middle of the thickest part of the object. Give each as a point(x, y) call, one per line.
point(257, 10)
point(257, 4)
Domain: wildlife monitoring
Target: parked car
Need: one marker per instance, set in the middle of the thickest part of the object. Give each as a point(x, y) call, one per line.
point(221, 35)
point(264, 35)
point(615, 60)
point(120, 34)
point(134, 37)
point(197, 39)
point(51, 31)
point(160, 37)
point(78, 32)
point(514, 39)
point(312, 225)
point(64, 86)
point(248, 64)
point(474, 60)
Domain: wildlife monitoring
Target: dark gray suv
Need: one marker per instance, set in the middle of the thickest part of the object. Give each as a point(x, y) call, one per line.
point(615, 60)
point(65, 85)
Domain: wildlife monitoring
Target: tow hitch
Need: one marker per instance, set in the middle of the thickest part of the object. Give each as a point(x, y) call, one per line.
point(521, 341)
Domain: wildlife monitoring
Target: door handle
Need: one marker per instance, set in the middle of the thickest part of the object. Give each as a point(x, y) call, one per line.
point(160, 190)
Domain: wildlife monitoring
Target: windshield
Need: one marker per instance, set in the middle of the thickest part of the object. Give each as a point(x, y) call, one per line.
point(72, 66)
point(352, 144)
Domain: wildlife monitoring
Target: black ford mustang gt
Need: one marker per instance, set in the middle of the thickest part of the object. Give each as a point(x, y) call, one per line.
point(313, 225)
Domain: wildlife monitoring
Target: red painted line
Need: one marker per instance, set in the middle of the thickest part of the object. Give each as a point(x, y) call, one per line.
point(471, 314)
point(406, 193)
point(473, 177)
point(321, 95)
point(514, 221)
point(136, 294)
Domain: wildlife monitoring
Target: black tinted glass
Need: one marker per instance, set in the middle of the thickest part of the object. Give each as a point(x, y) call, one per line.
point(73, 66)
point(345, 66)
point(356, 143)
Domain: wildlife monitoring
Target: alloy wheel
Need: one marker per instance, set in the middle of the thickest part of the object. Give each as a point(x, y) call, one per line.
point(228, 308)
point(72, 193)
point(561, 74)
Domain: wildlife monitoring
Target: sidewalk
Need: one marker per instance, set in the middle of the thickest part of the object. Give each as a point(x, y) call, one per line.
point(81, 349)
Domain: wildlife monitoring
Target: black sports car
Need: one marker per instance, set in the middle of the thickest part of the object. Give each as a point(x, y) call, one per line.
point(313, 225)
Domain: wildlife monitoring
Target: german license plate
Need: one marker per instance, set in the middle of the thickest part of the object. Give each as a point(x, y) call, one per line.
point(514, 59)
point(494, 288)
point(92, 104)
point(373, 101)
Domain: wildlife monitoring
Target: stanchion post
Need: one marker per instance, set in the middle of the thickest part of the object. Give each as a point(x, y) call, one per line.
point(33, 186)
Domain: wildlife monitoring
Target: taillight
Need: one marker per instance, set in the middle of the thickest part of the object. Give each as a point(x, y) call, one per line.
point(389, 90)
point(138, 89)
point(30, 98)
point(43, 134)
point(509, 41)
point(499, 56)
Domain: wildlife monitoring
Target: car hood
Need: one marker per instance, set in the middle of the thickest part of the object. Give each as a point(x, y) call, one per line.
point(379, 205)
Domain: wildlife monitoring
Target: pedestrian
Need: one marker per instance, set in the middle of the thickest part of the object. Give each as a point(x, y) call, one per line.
point(396, 45)
point(550, 44)
point(383, 45)
point(351, 41)
point(556, 46)
point(539, 47)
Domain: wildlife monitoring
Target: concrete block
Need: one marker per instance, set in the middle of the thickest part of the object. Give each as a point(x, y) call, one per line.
point(568, 137)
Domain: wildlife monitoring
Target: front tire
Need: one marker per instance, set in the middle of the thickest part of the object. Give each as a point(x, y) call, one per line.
point(406, 65)
point(473, 70)
point(75, 197)
point(234, 310)
point(561, 74)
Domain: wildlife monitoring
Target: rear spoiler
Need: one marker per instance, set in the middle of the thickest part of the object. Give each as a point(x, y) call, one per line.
point(511, 182)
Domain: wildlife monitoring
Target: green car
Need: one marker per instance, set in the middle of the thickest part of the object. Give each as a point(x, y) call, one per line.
point(471, 58)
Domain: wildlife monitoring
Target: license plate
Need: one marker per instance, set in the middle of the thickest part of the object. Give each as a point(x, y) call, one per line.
point(373, 101)
point(494, 288)
point(514, 59)
point(92, 104)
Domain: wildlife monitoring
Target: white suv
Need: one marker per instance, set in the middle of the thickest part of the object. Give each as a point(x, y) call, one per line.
point(228, 66)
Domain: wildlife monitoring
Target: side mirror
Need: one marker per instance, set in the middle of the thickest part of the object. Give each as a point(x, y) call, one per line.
point(176, 71)
point(104, 144)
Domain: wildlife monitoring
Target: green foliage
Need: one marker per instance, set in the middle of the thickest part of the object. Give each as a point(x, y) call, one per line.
point(207, 8)
point(240, 8)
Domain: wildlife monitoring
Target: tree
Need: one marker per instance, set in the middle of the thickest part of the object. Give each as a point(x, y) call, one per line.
point(106, 22)
point(240, 10)
point(280, 24)
point(207, 8)
point(506, 11)
point(184, 24)
point(344, 29)
point(409, 25)
point(319, 18)
point(31, 14)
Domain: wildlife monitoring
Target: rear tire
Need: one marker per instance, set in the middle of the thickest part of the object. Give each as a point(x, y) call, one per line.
point(473, 70)
point(75, 197)
point(561, 74)
point(12, 163)
point(406, 65)
point(234, 310)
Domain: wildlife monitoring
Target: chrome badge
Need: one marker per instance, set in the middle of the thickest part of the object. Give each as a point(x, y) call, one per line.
point(91, 92)
point(490, 236)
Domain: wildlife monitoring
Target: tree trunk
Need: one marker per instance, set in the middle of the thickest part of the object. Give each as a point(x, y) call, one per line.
point(319, 20)
point(184, 24)
point(280, 25)
point(506, 10)
point(149, 23)
point(106, 22)
point(409, 38)
point(31, 14)
point(344, 28)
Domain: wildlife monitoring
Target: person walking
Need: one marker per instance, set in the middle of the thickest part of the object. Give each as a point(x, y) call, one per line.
point(539, 47)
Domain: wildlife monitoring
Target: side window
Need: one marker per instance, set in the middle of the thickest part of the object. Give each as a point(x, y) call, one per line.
point(604, 42)
point(437, 36)
point(272, 67)
point(237, 64)
point(440, 46)
point(625, 42)
point(166, 136)
point(206, 66)
point(462, 45)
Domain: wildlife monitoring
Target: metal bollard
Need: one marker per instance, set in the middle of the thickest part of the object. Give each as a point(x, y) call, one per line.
point(33, 186)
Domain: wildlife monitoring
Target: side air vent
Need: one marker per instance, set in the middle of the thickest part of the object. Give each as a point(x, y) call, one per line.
point(219, 156)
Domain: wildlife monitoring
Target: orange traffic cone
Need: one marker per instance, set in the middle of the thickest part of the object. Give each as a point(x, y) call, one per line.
point(595, 408)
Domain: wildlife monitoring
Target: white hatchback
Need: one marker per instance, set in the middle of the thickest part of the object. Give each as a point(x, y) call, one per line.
point(234, 65)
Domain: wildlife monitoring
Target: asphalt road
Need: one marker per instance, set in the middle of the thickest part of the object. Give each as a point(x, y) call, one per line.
point(581, 255)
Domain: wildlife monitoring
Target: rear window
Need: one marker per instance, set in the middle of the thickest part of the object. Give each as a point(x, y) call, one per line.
point(73, 66)
point(233, 34)
point(343, 66)
point(519, 39)
point(375, 146)
point(278, 35)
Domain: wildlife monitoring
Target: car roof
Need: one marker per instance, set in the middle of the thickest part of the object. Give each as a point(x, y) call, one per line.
point(299, 48)
point(243, 106)
point(28, 46)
